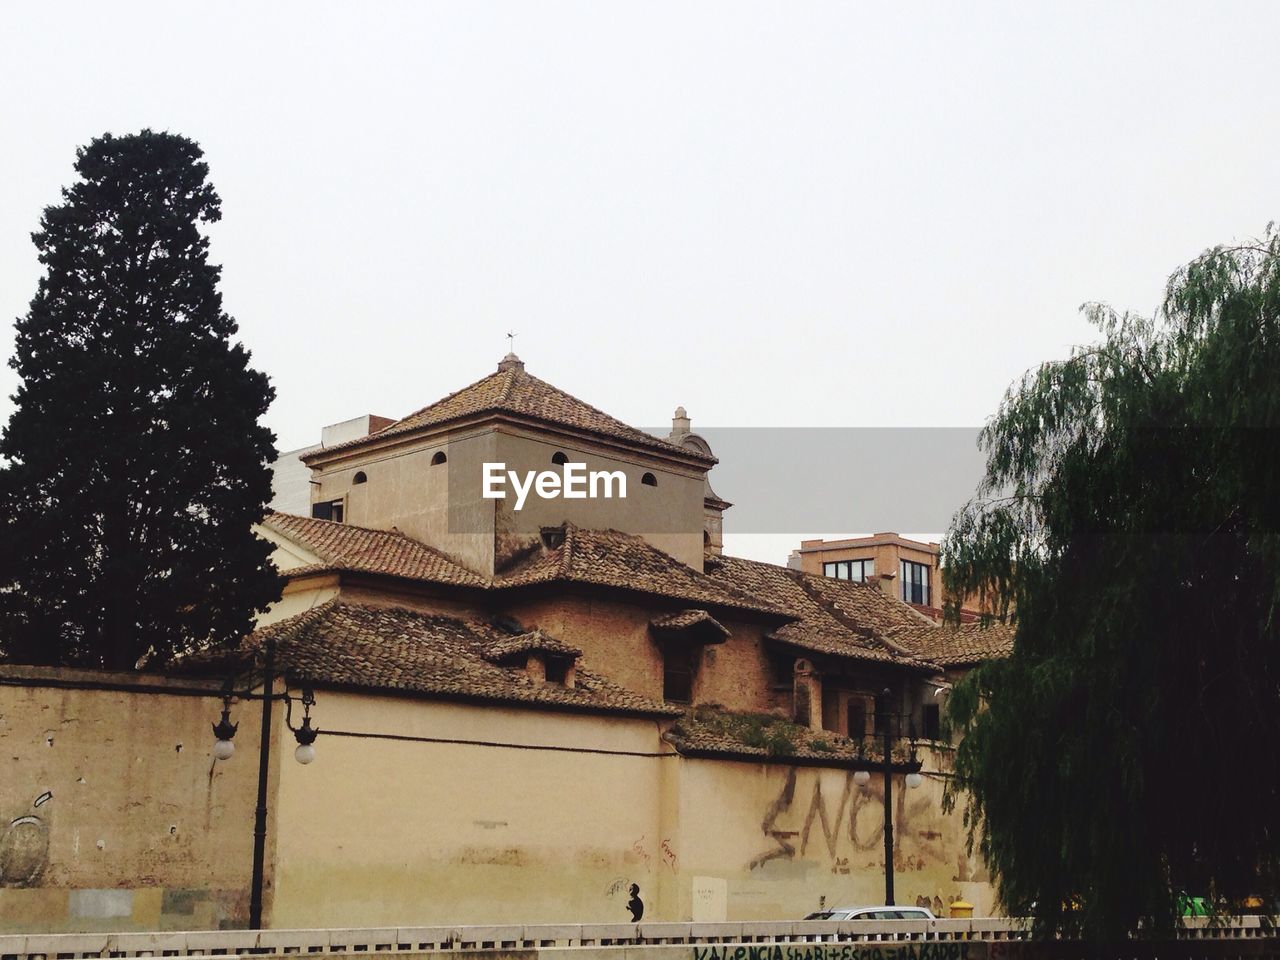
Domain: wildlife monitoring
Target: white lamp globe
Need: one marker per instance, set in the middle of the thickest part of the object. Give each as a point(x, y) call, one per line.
point(914, 780)
point(305, 753)
point(862, 777)
point(223, 749)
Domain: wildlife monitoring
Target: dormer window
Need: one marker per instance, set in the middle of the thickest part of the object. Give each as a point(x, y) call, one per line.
point(439, 458)
point(543, 659)
point(560, 670)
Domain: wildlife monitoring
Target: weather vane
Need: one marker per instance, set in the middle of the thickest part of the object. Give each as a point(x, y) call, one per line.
point(511, 341)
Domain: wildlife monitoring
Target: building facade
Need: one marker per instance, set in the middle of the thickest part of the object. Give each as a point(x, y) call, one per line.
point(522, 711)
point(906, 569)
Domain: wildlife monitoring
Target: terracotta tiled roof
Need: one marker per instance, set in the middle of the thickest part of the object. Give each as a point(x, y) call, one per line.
point(349, 645)
point(341, 546)
point(507, 647)
point(835, 617)
point(686, 619)
point(957, 645)
point(511, 390)
point(624, 561)
point(707, 731)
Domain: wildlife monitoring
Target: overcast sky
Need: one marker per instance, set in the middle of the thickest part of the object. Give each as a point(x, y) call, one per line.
point(817, 214)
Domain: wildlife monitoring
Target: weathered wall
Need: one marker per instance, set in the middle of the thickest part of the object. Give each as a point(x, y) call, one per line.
point(615, 640)
point(113, 813)
point(383, 831)
point(115, 816)
point(443, 505)
point(426, 501)
point(790, 839)
point(400, 832)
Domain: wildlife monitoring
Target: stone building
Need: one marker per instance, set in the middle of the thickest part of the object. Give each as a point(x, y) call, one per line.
point(522, 712)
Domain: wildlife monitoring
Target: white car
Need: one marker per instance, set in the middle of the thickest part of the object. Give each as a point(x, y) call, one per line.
point(874, 913)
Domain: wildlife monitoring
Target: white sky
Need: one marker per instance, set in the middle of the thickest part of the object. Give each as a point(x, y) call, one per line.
point(775, 214)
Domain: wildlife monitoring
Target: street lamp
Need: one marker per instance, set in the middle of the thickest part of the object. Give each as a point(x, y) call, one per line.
point(913, 780)
point(224, 747)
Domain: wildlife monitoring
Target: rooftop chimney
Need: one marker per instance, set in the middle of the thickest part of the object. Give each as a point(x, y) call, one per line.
point(679, 425)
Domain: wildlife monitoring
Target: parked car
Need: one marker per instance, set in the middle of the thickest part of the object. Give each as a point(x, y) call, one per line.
point(874, 913)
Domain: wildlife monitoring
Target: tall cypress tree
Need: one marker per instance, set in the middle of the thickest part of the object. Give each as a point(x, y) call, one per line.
point(136, 463)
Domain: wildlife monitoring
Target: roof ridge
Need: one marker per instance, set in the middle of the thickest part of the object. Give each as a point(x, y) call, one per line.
point(542, 402)
point(801, 578)
point(571, 532)
point(510, 386)
point(594, 409)
point(436, 402)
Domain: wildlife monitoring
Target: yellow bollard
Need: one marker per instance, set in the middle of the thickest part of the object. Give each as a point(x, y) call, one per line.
point(959, 908)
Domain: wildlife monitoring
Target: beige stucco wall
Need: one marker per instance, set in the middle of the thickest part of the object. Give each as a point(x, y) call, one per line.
point(383, 832)
point(668, 515)
point(423, 500)
point(786, 837)
point(453, 815)
point(113, 813)
point(401, 832)
point(443, 505)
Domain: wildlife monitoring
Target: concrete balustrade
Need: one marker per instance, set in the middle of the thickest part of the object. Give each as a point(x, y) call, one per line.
point(544, 937)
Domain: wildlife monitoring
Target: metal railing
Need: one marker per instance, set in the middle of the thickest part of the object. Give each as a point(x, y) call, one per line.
point(74, 946)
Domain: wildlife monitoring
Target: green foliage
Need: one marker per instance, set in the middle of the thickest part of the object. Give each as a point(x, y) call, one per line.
point(770, 732)
point(821, 745)
point(1128, 526)
point(779, 742)
point(752, 733)
point(135, 461)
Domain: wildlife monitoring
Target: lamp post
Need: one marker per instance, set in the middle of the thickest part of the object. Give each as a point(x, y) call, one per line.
point(913, 780)
point(224, 748)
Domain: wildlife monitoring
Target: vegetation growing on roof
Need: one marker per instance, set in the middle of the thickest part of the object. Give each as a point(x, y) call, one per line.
point(712, 727)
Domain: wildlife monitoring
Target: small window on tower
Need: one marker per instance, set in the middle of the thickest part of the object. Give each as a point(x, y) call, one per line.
point(649, 480)
point(327, 510)
point(360, 477)
point(559, 459)
point(439, 458)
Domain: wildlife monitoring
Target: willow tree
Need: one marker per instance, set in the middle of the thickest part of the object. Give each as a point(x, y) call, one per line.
point(136, 462)
point(1123, 757)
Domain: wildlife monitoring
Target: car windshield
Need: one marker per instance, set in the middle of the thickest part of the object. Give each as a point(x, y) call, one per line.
point(824, 915)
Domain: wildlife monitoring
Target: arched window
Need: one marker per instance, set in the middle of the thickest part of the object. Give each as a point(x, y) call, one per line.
point(360, 477)
point(649, 480)
point(439, 458)
point(559, 459)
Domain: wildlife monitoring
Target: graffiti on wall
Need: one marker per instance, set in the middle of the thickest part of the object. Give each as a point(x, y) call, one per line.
point(24, 845)
point(661, 854)
point(937, 950)
point(846, 830)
